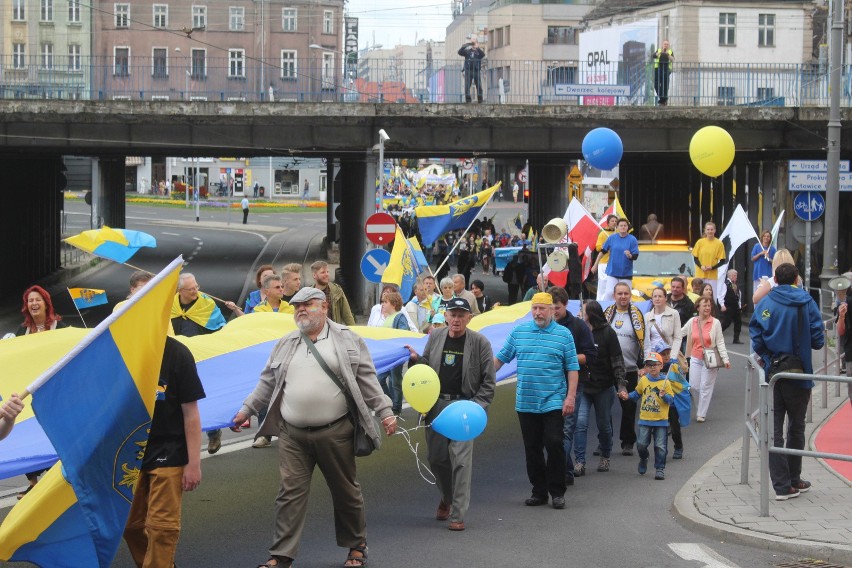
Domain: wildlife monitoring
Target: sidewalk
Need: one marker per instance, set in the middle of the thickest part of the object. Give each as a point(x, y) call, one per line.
point(816, 524)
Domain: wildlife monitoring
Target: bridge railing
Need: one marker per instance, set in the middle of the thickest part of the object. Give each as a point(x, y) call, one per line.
point(313, 79)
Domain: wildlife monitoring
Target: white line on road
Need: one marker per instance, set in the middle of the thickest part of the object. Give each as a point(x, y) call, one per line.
point(701, 553)
point(197, 238)
point(170, 234)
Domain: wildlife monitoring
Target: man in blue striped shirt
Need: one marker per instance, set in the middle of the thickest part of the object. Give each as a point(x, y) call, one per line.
point(545, 394)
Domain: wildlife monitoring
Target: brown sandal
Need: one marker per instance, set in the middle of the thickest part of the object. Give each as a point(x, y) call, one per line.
point(353, 561)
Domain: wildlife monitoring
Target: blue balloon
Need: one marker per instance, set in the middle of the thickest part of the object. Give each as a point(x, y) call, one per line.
point(462, 420)
point(602, 148)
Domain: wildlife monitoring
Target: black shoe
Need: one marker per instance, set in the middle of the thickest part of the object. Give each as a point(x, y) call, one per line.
point(626, 449)
point(536, 501)
point(737, 342)
point(569, 480)
point(559, 502)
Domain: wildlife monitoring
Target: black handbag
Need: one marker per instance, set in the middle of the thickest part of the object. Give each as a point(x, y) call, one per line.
point(788, 362)
point(363, 443)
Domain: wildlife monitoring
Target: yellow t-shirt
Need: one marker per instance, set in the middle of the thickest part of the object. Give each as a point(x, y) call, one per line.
point(602, 237)
point(652, 407)
point(708, 253)
point(283, 308)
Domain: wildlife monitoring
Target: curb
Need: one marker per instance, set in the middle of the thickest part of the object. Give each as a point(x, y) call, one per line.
point(685, 511)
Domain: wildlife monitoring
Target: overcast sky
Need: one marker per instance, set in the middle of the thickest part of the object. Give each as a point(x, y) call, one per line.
point(400, 21)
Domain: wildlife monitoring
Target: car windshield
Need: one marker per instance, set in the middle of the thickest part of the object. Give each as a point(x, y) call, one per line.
point(664, 263)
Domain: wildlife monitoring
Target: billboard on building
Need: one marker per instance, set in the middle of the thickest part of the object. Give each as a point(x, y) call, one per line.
point(619, 55)
point(350, 41)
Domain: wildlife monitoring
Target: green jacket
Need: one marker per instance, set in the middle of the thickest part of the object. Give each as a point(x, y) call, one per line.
point(339, 308)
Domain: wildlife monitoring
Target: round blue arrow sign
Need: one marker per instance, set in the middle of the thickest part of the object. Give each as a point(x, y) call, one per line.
point(373, 264)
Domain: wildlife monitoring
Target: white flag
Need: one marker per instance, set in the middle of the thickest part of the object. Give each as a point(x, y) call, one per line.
point(739, 231)
point(776, 228)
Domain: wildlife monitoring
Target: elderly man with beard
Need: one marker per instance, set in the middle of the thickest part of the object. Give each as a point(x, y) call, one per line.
point(544, 396)
point(309, 414)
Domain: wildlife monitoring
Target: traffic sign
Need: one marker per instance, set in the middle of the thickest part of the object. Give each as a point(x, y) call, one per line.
point(373, 264)
point(809, 205)
point(575, 177)
point(522, 176)
point(380, 228)
point(467, 165)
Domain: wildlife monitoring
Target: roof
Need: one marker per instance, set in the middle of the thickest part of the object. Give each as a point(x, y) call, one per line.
point(609, 8)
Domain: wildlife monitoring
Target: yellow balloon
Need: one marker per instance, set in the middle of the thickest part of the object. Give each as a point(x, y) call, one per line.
point(421, 387)
point(712, 150)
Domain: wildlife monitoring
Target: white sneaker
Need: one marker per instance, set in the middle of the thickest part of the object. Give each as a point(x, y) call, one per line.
point(262, 442)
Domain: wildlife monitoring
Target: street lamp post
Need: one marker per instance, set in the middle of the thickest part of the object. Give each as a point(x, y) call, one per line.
point(383, 137)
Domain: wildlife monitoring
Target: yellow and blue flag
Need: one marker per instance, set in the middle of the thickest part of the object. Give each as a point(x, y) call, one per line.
point(435, 220)
point(204, 312)
point(402, 269)
point(95, 406)
point(419, 257)
point(118, 245)
point(87, 297)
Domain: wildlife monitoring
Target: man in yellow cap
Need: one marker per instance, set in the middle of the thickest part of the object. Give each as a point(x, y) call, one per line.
point(543, 397)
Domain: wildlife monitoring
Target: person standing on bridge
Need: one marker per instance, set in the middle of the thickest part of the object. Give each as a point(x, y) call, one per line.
point(328, 370)
point(473, 56)
point(663, 61)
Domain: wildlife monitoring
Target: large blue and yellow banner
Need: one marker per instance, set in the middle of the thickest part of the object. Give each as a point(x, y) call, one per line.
point(95, 407)
point(435, 220)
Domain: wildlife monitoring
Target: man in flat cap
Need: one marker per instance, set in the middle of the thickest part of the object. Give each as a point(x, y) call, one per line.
point(464, 362)
point(310, 416)
point(543, 397)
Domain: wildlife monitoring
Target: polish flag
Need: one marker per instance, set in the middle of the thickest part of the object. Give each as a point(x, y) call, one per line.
point(583, 230)
point(614, 209)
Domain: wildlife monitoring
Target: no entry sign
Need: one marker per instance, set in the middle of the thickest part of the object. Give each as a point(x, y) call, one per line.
point(380, 228)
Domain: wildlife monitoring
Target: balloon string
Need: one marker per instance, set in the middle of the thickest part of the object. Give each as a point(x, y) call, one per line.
point(406, 435)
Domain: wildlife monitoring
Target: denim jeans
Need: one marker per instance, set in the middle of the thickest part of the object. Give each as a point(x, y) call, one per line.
point(391, 383)
point(568, 433)
point(660, 435)
point(602, 402)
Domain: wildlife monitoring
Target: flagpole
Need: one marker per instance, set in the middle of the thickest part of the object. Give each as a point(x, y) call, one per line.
point(76, 308)
point(450, 253)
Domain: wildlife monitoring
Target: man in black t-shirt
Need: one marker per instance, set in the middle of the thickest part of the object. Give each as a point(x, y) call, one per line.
point(465, 365)
point(680, 302)
point(171, 463)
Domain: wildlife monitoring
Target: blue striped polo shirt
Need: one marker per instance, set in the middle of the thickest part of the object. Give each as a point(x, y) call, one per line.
point(544, 356)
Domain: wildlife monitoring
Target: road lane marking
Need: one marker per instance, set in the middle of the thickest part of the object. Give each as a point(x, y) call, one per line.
point(701, 553)
point(170, 234)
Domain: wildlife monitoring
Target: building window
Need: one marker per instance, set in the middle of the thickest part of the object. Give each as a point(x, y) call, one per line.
point(727, 28)
point(122, 61)
point(160, 68)
point(561, 35)
point(46, 10)
point(199, 64)
point(73, 11)
point(766, 30)
point(327, 22)
point(75, 62)
point(161, 15)
point(236, 63)
point(19, 56)
point(122, 15)
point(47, 56)
point(561, 76)
point(507, 35)
point(726, 96)
point(19, 10)
point(665, 29)
point(765, 93)
point(328, 71)
point(288, 64)
point(238, 18)
point(288, 19)
point(498, 37)
point(199, 17)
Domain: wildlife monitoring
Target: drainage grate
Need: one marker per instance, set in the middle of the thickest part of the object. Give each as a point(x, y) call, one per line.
point(808, 563)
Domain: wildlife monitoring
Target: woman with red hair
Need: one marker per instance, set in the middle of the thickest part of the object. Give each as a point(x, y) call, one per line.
point(39, 316)
point(38, 312)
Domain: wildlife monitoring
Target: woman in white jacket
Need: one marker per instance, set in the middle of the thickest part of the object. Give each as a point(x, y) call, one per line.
point(704, 332)
point(662, 323)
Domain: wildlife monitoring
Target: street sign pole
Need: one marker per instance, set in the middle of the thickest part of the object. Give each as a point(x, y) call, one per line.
point(808, 256)
point(832, 189)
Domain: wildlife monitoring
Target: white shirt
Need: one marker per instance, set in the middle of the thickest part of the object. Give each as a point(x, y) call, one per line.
point(244, 203)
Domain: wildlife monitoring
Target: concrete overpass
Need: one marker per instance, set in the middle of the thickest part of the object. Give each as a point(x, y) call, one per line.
point(656, 175)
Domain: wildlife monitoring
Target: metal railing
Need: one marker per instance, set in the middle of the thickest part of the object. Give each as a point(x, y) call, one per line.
point(759, 424)
point(310, 79)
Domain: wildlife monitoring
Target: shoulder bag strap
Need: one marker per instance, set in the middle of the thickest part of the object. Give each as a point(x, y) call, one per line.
point(657, 327)
point(350, 403)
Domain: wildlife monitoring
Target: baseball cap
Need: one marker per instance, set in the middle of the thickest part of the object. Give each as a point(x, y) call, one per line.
point(458, 304)
point(660, 346)
point(306, 295)
point(439, 319)
point(654, 358)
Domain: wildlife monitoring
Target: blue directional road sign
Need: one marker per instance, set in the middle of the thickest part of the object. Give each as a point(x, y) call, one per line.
point(373, 264)
point(809, 205)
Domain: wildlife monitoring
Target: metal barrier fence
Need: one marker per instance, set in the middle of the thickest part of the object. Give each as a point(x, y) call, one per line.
point(759, 423)
point(317, 78)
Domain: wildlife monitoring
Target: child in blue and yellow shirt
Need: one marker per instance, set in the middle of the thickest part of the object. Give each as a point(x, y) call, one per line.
point(654, 393)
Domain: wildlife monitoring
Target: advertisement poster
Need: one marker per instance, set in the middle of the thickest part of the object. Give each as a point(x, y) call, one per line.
point(619, 55)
